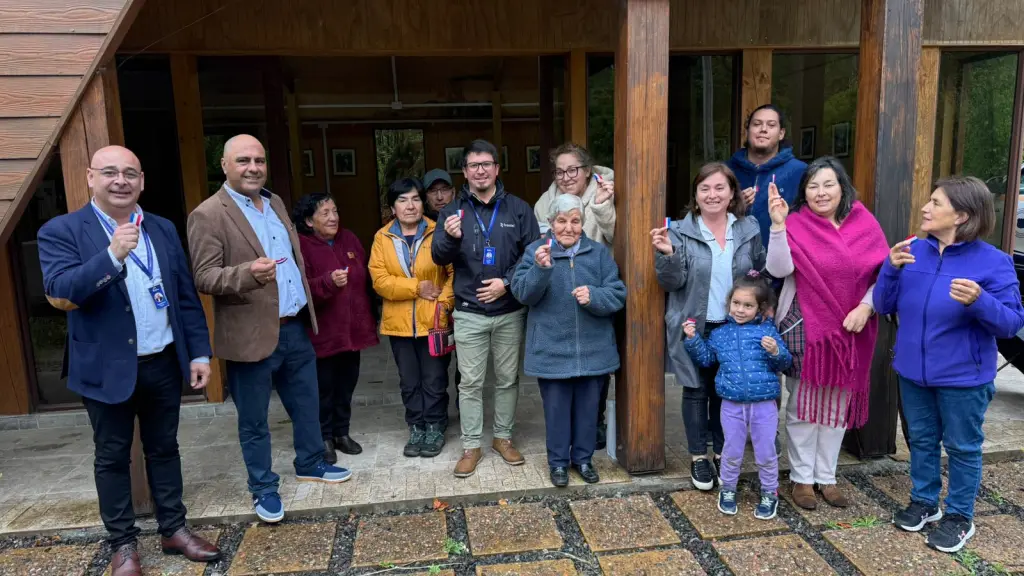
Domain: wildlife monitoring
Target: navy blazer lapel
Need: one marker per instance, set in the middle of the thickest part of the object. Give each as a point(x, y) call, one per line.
point(94, 232)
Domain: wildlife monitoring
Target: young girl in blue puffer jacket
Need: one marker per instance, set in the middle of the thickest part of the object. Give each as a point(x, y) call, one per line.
point(749, 352)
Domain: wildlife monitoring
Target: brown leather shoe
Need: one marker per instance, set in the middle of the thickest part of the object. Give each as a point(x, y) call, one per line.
point(507, 451)
point(184, 542)
point(125, 561)
point(803, 496)
point(466, 465)
point(833, 495)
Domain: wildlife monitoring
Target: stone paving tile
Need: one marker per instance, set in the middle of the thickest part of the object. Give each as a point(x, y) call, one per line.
point(1006, 480)
point(546, 568)
point(787, 554)
point(154, 561)
point(64, 560)
point(861, 506)
point(621, 523)
point(898, 488)
point(885, 550)
point(656, 563)
point(509, 529)
point(287, 548)
point(400, 539)
point(701, 509)
point(999, 540)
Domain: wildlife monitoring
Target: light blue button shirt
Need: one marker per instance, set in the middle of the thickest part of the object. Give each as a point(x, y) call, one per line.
point(273, 237)
point(152, 325)
point(721, 271)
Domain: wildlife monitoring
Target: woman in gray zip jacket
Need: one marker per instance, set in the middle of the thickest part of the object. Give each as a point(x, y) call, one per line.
point(696, 260)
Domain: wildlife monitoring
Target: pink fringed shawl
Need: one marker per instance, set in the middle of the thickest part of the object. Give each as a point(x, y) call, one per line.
point(833, 270)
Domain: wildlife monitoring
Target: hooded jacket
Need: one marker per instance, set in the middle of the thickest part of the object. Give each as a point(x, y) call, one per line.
point(786, 170)
point(686, 276)
point(514, 229)
point(598, 219)
point(397, 281)
point(941, 342)
point(746, 372)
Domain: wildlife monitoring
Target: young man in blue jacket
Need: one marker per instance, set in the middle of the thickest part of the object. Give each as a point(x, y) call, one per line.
point(765, 158)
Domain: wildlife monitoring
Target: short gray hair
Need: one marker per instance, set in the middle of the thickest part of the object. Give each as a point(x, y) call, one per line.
point(563, 204)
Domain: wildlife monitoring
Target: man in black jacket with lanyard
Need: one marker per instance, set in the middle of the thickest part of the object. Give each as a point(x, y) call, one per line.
point(485, 233)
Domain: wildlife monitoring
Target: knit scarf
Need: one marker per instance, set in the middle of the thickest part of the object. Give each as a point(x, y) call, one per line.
point(833, 270)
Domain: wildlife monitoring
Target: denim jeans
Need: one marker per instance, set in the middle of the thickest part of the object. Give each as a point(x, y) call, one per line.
point(702, 410)
point(292, 368)
point(952, 417)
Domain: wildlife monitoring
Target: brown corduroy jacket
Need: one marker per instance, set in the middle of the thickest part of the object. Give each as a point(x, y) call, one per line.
point(223, 246)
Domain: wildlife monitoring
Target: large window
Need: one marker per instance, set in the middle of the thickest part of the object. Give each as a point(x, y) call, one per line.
point(974, 121)
point(818, 94)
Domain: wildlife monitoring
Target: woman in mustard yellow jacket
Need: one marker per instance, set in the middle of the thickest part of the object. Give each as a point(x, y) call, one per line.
point(413, 289)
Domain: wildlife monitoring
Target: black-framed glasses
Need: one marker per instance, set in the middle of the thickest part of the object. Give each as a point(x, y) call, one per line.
point(474, 166)
point(570, 172)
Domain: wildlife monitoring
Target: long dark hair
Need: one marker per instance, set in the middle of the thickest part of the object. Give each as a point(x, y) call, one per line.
point(849, 193)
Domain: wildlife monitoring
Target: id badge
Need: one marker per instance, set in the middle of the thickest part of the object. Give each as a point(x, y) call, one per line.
point(159, 298)
point(489, 254)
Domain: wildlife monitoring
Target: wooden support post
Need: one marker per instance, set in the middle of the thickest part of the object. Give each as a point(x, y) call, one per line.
point(188, 112)
point(578, 97)
point(15, 396)
point(277, 129)
point(1013, 170)
point(890, 54)
point(547, 118)
point(756, 84)
point(95, 124)
point(294, 143)
point(924, 151)
point(641, 142)
point(496, 122)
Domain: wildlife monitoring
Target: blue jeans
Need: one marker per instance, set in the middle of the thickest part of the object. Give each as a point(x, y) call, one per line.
point(292, 368)
point(570, 418)
point(952, 417)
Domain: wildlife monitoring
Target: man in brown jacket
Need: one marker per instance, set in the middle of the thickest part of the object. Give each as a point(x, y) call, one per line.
point(245, 253)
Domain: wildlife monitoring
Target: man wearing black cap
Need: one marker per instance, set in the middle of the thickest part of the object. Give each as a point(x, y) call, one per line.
point(438, 184)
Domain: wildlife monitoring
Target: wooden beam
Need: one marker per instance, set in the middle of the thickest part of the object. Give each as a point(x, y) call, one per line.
point(578, 96)
point(548, 142)
point(294, 144)
point(641, 142)
point(884, 174)
point(496, 138)
point(188, 113)
point(756, 84)
point(277, 128)
point(924, 149)
point(1013, 170)
point(15, 396)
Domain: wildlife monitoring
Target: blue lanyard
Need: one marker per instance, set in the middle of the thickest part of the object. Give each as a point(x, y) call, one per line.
point(486, 233)
point(147, 268)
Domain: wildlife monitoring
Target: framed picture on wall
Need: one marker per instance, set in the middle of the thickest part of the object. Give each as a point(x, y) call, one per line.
point(841, 139)
point(344, 161)
point(453, 160)
point(308, 166)
point(504, 159)
point(533, 158)
point(808, 140)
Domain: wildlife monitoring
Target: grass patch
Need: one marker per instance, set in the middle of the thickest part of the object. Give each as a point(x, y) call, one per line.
point(453, 546)
point(863, 522)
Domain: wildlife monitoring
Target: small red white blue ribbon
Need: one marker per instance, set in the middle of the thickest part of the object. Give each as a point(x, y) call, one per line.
point(668, 222)
point(136, 218)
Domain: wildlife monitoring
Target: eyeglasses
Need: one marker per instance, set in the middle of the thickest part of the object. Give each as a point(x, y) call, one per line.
point(570, 172)
point(474, 166)
point(112, 173)
point(440, 190)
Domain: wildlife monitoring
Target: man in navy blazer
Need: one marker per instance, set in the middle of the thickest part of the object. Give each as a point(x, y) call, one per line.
point(136, 331)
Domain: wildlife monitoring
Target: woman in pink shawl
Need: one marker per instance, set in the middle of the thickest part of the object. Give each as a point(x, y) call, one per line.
point(829, 250)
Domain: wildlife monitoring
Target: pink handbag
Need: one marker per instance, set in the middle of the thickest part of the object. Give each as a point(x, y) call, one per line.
point(442, 340)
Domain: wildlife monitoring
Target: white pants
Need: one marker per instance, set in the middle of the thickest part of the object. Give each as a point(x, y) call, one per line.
point(814, 448)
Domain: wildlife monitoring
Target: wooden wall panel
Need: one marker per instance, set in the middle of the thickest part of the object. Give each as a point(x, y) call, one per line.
point(23, 138)
point(756, 84)
point(14, 391)
point(974, 22)
point(47, 54)
point(34, 96)
point(60, 16)
point(924, 149)
point(12, 173)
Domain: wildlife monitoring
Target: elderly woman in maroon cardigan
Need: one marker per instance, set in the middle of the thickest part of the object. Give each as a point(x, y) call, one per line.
point(338, 281)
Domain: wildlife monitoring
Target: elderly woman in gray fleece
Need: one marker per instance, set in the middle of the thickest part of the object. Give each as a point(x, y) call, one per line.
point(696, 260)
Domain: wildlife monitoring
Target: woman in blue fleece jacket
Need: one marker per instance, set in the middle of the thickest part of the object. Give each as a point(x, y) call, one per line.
point(571, 287)
point(954, 294)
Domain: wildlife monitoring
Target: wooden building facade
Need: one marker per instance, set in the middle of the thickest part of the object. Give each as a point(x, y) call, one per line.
point(347, 94)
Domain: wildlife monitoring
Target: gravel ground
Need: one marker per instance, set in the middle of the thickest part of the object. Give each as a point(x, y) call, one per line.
point(574, 547)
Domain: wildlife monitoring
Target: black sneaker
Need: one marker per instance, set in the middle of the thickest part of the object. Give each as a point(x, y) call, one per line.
point(433, 441)
point(412, 447)
point(953, 532)
point(914, 517)
point(702, 474)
